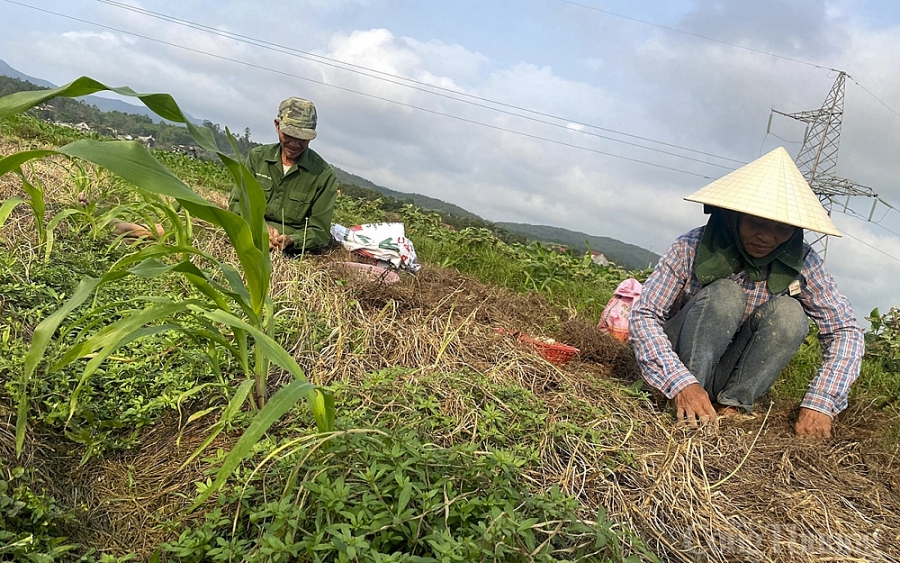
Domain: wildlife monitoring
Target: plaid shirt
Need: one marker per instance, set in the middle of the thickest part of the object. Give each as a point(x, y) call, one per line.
point(672, 284)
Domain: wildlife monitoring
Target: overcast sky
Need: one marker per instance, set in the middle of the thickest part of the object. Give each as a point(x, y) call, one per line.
point(696, 79)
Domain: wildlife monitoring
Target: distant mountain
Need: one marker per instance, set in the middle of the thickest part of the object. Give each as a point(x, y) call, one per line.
point(629, 256)
point(104, 104)
point(7, 70)
point(626, 255)
point(418, 200)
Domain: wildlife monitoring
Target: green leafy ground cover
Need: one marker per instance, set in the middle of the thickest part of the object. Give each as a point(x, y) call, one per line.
point(401, 479)
point(396, 484)
point(451, 501)
point(401, 508)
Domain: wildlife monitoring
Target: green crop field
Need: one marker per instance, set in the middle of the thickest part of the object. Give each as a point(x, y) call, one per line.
point(190, 397)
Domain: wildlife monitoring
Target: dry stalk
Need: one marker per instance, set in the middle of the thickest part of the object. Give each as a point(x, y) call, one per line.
point(742, 494)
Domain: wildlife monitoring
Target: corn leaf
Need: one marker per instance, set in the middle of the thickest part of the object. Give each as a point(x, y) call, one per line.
point(8, 207)
point(120, 329)
point(280, 403)
point(132, 161)
point(161, 104)
point(108, 349)
point(16, 160)
point(233, 407)
point(152, 267)
point(322, 409)
point(209, 287)
point(39, 341)
point(247, 233)
point(35, 200)
point(51, 225)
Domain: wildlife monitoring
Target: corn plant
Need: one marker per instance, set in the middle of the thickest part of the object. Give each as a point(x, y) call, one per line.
point(8, 206)
point(35, 200)
point(98, 194)
point(235, 310)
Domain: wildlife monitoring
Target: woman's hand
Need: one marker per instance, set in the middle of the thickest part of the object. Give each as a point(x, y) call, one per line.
point(813, 423)
point(693, 406)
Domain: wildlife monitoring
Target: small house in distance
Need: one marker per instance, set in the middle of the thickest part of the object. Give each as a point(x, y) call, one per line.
point(598, 258)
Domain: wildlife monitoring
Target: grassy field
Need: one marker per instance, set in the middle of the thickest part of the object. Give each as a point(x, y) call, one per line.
point(451, 441)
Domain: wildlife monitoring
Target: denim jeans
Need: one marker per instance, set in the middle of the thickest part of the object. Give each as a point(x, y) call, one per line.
point(736, 363)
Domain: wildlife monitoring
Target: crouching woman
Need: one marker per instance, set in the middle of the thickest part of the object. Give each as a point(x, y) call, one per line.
point(729, 304)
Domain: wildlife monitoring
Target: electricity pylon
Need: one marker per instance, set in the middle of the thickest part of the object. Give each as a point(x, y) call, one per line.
point(817, 159)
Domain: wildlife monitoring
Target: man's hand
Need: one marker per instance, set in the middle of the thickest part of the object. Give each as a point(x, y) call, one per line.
point(813, 423)
point(134, 230)
point(693, 405)
point(278, 241)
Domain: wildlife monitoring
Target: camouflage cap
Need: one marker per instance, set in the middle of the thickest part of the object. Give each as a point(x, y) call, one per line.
point(297, 118)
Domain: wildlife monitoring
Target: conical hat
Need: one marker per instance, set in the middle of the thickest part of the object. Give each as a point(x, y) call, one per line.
point(770, 187)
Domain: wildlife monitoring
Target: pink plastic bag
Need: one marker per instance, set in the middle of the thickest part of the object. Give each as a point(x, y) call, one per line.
point(614, 319)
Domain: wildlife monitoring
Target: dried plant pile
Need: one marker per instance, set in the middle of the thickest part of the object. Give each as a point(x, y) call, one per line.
point(129, 495)
point(750, 492)
point(753, 492)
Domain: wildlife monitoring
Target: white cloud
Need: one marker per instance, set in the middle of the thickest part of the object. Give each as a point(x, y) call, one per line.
point(865, 265)
point(104, 39)
point(586, 68)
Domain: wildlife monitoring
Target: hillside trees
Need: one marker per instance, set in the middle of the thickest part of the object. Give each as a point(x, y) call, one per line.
point(116, 123)
point(455, 222)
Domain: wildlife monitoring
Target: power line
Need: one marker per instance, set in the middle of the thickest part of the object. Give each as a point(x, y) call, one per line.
point(350, 90)
point(334, 63)
point(886, 211)
point(768, 134)
point(859, 217)
point(892, 110)
point(891, 256)
point(785, 140)
point(428, 88)
point(698, 36)
point(364, 71)
point(735, 45)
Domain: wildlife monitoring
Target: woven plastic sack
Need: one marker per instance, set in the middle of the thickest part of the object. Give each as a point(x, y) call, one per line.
point(614, 319)
point(384, 242)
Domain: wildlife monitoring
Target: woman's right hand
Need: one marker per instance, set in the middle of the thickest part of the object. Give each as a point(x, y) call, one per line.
point(693, 406)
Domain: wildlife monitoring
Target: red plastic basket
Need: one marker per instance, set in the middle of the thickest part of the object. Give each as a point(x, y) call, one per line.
point(555, 353)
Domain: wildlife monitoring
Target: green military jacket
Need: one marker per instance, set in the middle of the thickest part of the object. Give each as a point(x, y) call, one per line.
point(299, 203)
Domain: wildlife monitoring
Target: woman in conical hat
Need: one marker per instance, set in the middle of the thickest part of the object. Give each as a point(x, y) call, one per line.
point(729, 304)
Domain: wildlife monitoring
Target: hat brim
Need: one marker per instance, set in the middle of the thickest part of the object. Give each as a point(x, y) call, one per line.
point(770, 187)
point(298, 132)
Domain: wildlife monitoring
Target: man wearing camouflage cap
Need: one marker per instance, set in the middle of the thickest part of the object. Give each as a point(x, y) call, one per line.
point(298, 184)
